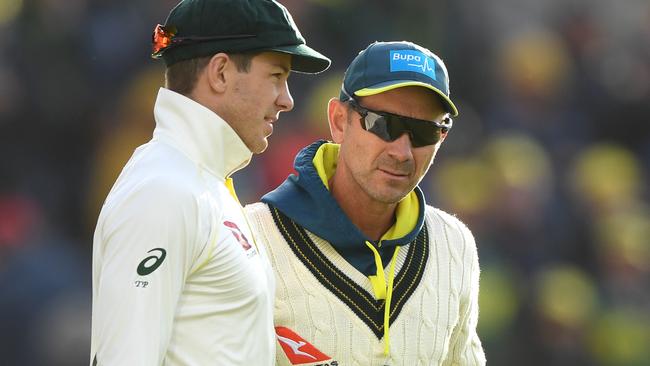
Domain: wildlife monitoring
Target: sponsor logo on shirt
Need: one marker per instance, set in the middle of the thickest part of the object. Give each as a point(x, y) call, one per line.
point(152, 262)
point(240, 237)
point(299, 351)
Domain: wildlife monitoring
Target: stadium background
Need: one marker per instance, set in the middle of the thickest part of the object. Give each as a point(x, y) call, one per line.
point(548, 162)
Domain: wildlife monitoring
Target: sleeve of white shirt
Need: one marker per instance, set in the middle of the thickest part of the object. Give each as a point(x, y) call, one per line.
point(144, 247)
point(465, 348)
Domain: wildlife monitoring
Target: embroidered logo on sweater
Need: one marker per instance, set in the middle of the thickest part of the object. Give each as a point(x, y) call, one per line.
point(298, 350)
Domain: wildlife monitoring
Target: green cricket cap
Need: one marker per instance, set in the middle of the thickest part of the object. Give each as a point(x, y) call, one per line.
point(197, 28)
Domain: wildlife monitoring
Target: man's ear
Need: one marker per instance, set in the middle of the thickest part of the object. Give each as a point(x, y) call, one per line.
point(217, 72)
point(337, 115)
point(443, 137)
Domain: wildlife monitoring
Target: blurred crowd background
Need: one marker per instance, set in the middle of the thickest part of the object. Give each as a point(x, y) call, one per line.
point(548, 162)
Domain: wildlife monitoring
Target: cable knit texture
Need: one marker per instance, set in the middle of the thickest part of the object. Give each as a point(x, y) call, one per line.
point(436, 326)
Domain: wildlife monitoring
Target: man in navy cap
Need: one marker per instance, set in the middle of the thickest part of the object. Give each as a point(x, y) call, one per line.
point(178, 276)
point(367, 273)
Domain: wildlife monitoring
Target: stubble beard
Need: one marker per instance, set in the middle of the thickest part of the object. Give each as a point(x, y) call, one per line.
point(381, 191)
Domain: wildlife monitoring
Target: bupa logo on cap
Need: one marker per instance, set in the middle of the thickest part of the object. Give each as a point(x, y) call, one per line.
point(414, 61)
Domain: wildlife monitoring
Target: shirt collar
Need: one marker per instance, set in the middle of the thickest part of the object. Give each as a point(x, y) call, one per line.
point(199, 133)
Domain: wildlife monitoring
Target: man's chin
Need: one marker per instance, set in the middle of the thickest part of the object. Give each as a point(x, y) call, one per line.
point(260, 147)
point(391, 196)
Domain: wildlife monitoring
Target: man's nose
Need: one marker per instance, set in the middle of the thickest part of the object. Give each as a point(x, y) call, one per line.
point(285, 100)
point(400, 149)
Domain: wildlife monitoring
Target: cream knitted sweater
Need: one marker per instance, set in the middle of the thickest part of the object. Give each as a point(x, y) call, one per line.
point(330, 313)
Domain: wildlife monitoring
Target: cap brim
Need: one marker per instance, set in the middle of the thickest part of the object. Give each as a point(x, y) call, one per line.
point(394, 84)
point(305, 59)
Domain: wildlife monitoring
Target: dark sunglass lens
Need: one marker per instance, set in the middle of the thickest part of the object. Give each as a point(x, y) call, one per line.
point(378, 125)
point(396, 127)
point(425, 134)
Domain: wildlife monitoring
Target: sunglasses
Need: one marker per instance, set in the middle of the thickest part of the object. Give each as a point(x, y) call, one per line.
point(389, 127)
point(164, 37)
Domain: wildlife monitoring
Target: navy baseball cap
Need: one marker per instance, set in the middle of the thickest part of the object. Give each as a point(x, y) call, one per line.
point(384, 66)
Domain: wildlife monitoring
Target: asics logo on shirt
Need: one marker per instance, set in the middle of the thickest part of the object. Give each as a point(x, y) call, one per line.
point(299, 351)
point(146, 266)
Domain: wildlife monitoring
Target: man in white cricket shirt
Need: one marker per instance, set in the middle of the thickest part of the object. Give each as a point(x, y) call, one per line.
point(178, 277)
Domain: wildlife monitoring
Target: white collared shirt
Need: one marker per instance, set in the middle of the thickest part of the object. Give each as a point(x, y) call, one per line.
point(178, 278)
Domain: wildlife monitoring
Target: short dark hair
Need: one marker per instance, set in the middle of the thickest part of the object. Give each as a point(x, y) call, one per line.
point(181, 77)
